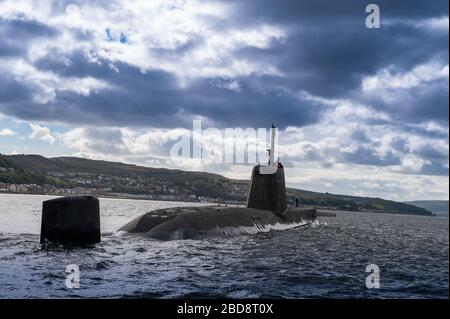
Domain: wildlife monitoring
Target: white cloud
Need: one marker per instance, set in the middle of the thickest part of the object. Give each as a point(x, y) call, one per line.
point(364, 181)
point(6, 132)
point(41, 133)
point(314, 156)
point(136, 32)
point(48, 83)
point(436, 24)
point(419, 75)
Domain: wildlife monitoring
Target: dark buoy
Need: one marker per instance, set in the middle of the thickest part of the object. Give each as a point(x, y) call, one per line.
point(71, 220)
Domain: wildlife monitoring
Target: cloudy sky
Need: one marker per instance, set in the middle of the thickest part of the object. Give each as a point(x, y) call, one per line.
point(360, 111)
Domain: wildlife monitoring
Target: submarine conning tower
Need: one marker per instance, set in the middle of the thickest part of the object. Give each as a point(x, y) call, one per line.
point(267, 186)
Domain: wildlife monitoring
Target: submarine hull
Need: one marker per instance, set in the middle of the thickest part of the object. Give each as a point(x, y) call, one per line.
point(197, 222)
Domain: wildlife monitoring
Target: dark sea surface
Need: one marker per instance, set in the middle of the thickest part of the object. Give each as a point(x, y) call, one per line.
point(323, 260)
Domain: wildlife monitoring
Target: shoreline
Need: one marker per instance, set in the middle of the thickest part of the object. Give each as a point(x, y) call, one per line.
point(328, 209)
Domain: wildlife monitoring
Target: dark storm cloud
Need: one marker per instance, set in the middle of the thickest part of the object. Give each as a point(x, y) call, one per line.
point(400, 144)
point(360, 135)
point(327, 52)
point(295, 10)
point(327, 155)
point(13, 92)
point(436, 157)
point(23, 29)
point(431, 152)
point(150, 99)
point(15, 35)
point(154, 99)
point(329, 49)
point(366, 156)
point(425, 132)
point(435, 168)
point(429, 102)
point(333, 61)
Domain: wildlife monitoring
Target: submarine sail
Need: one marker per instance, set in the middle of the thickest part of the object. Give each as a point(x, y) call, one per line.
point(267, 186)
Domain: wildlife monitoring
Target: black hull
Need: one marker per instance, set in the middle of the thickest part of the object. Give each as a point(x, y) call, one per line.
point(196, 222)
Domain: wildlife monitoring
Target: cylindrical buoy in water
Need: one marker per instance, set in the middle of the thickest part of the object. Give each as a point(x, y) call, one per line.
point(71, 220)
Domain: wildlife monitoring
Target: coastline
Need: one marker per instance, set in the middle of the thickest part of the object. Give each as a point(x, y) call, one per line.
point(327, 209)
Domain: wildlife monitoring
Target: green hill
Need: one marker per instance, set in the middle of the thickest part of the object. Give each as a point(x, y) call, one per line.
point(437, 207)
point(69, 175)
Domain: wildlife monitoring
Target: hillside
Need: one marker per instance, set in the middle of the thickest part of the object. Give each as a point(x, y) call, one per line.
point(70, 175)
point(437, 207)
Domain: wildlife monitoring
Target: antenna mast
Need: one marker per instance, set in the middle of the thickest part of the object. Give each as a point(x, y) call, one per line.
point(272, 166)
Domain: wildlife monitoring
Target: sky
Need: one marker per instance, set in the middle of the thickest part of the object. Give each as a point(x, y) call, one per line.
point(359, 111)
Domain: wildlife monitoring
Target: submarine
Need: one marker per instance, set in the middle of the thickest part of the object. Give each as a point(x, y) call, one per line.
point(266, 209)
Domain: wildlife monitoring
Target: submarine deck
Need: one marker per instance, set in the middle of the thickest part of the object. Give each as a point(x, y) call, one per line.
point(190, 222)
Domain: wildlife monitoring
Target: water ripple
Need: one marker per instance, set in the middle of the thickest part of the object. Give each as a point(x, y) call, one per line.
point(327, 260)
